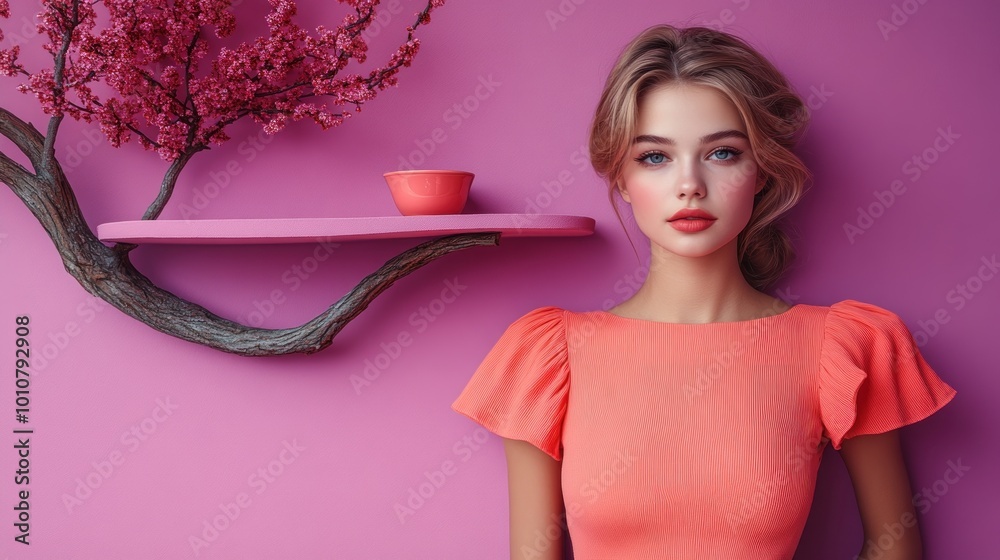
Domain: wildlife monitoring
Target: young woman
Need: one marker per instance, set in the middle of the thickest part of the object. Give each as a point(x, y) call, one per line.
point(690, 420)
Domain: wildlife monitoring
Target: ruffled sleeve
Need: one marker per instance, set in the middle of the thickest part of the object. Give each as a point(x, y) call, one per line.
point(872, 377)
point(520, 389)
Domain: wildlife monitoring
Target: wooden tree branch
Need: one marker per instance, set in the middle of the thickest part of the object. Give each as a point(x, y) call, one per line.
point(110, 275)
point(167, 186)
point(25, 137)
point(107, 272)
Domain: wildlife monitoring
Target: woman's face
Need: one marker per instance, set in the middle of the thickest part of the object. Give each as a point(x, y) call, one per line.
point(691, 151)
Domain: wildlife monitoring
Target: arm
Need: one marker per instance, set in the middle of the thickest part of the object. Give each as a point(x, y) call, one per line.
point(882, 487)
point(536, 503)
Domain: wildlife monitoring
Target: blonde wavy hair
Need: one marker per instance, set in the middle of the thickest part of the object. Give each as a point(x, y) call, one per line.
point(774, 115)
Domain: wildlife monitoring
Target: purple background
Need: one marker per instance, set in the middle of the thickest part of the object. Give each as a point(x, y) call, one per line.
point(362, 452)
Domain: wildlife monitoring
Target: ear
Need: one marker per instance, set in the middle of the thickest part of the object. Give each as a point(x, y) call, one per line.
point(761, 181)
point(624, 193)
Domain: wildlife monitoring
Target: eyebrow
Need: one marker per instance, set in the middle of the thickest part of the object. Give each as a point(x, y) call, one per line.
point(652, 138)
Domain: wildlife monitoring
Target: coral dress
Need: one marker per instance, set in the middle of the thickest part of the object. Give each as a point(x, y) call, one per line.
point(697, 440)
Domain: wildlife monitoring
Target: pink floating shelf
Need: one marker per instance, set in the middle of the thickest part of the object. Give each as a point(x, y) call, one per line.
point(305, 230)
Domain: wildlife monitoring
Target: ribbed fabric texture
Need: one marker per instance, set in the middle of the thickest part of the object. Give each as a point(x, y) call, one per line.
point(697, 440)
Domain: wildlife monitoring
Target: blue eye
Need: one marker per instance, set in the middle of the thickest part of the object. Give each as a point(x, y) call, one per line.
point(731, 154)
point(651, 158)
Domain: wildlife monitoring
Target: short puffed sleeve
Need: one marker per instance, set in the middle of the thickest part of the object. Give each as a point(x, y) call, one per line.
point(520, 389)
point(872, 377)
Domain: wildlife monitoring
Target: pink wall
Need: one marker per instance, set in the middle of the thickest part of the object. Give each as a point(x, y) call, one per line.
point(342, 459)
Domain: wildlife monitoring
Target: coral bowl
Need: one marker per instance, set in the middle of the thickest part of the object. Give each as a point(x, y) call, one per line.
point(429, 191)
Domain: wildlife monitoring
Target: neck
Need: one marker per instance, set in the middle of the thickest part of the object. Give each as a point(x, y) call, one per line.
point(707, 289)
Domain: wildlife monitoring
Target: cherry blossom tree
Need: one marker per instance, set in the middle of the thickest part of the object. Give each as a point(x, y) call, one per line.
point(165, 73)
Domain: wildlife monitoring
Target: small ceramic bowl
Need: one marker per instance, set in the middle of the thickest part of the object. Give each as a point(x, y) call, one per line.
point(429, 191)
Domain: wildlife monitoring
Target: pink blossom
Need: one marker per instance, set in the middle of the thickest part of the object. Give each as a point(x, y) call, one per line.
point(151, 73)
point(8, 60)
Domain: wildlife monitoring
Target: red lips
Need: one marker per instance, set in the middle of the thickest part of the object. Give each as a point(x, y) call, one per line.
point(691, 213)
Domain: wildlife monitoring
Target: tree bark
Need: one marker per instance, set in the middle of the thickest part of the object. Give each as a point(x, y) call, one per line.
point(108, 273)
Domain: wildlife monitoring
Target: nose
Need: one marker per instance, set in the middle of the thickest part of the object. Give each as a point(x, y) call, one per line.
point(691, 183)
